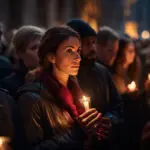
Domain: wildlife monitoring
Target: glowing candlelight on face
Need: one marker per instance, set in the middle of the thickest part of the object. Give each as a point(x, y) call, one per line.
point(86, 102)
point(132, 86)
point(149, 76)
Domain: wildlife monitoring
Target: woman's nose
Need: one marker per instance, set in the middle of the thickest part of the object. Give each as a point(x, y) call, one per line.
point(78, 57)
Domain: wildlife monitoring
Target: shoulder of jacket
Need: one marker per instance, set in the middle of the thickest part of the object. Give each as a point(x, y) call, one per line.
point(4, 91)
point(100, 67)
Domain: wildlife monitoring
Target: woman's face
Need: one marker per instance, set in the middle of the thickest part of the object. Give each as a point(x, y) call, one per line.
point(129, 53)
point(67, 58)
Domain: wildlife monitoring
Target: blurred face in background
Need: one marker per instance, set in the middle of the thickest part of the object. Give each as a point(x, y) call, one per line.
point(129, 53)
point(30, 56)
point(107, 53)
point(88, 49)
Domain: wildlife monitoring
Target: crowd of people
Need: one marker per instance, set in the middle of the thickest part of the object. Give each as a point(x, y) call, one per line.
point(44, 75)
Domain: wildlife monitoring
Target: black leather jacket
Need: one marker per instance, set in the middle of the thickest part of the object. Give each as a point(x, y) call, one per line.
point(37, 116)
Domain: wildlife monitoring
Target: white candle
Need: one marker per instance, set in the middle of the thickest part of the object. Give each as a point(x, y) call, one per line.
point(132, 86)
point(85, 101)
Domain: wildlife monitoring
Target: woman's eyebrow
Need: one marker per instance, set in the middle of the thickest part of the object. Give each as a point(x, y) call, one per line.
point(69, 46)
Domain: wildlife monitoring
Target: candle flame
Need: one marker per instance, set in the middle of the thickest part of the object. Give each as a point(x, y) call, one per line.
point(84, 98)
point(3, 140)
point(132, 86)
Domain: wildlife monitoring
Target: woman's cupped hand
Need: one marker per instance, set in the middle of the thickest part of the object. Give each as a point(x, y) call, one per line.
point(92, 122)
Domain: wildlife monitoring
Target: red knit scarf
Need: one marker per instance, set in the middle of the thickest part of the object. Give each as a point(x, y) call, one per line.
point(69, 96)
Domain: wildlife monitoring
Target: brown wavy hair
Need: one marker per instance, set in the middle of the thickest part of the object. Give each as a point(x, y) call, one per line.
point(59, 119)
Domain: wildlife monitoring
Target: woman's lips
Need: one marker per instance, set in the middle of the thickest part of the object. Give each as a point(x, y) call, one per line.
point(75, 66)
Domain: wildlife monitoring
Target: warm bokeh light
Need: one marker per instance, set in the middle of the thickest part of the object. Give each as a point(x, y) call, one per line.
point(1, 142)
point(90, 14)
point(132, 86)
point(131, 29)
point(149, 76)
point(145, 34)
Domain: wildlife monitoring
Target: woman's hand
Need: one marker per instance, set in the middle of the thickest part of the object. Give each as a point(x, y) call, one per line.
point(89, 120)
point(104, 128)
point(93, 123)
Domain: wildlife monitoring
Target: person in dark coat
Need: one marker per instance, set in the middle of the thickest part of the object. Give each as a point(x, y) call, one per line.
point(3, 42)
point(55, 119)
point(8, 135)
point(6, 68)
point(26, 42)
point(95, 79)
point(145, 138)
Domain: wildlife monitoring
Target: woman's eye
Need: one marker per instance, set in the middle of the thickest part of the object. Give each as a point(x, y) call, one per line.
point(79, 50)
point(70, 51)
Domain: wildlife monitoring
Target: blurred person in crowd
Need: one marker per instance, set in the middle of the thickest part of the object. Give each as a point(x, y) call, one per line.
point(126, 69)
point(145, 138)
point(8, 122)
point(11, 53)
point(94, 78)
point(6, 67)
point(3, 42)
point(107, 46)
point(125, 66)
point(56, 119)
point(25, 42)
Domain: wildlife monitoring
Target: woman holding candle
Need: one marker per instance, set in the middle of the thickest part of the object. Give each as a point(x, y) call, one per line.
point(126, 67)
point(56, 120)
point(126, 76)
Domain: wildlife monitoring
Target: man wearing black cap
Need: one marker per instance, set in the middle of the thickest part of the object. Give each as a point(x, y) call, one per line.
point(88, 37)
point(94, 78)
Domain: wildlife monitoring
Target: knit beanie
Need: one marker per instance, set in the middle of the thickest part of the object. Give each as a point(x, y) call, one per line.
point(83, 28)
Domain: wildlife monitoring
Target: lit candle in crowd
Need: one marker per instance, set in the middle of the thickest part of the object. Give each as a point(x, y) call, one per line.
point(132, 86)
point(86, 102)
point(149, 76)
point(3, 141)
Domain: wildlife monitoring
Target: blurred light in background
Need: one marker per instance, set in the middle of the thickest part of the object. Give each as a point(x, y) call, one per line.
point(131, 29)
point(90, 13)
point(145, 34)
